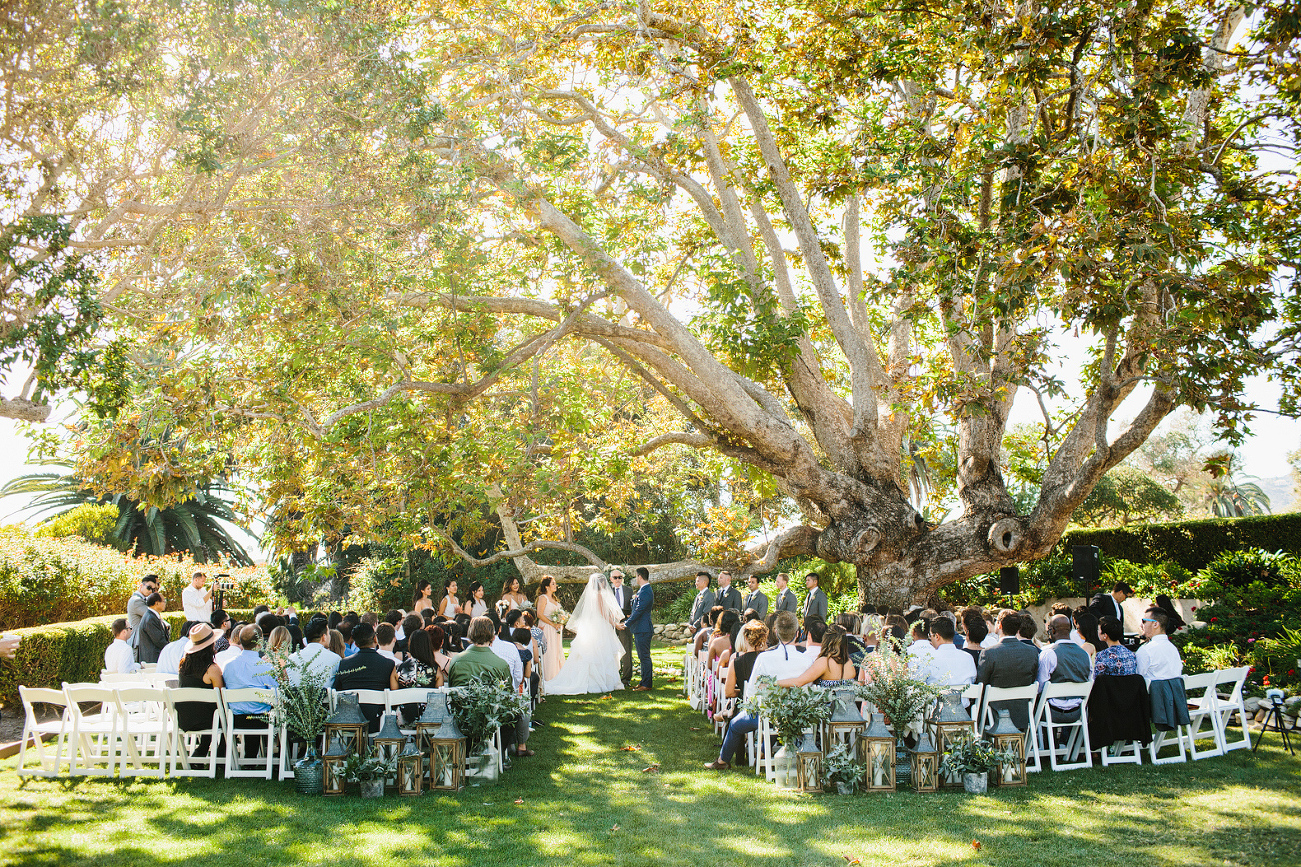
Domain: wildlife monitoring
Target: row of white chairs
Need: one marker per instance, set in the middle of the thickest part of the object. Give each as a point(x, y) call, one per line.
point(1214, 699)
point(135, 731)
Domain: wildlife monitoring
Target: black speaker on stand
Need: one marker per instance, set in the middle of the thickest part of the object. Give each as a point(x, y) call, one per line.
point(1009, 581)
point(1086, 565)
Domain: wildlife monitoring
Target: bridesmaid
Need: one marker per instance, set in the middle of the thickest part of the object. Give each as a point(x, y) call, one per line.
point(449, 607)
point(554, 656)
point(423, 598)
point(510, 593)
point(475, 606)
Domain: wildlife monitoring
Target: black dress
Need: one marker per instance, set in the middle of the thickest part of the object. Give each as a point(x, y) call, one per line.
point(194, 716)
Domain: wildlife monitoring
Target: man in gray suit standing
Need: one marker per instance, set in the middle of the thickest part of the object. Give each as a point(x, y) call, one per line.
point(1010, 663)
point(755, 599)
point(786, 600)
point(728, 596)
point(815, 604)
point(137, 605)
point(704, 600)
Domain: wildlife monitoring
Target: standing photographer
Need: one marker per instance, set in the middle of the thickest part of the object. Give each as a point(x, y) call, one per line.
point(196, 600)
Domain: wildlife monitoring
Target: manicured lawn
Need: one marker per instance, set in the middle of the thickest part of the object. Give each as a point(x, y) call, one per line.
point(584, 799)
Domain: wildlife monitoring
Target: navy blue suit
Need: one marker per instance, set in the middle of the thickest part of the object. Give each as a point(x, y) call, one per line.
point(638, 622)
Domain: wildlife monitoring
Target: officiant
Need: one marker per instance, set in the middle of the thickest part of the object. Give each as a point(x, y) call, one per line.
point(623, 596)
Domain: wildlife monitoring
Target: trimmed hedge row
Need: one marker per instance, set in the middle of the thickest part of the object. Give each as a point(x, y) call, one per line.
point(1190, 544)
point(72, 652)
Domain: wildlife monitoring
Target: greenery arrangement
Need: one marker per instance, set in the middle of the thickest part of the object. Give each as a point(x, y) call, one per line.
point(302, 694)
point(365, 769)
point(893, 688)
point(974, 756)
point(482, 706)
point(791, 710)
point(841, 766)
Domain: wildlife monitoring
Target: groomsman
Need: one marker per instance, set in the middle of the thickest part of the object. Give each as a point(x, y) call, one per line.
point(728, 596)
point(786, 600)
point(756, 598)
point(704, 600)
point(815, 604)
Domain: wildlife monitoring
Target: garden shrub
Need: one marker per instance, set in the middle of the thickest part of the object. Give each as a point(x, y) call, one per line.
point(380, 584)
point(1191, 544)
point(45, 580)
point(73, 652)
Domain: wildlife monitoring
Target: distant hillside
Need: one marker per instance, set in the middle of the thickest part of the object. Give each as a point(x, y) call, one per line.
point(1281, 491)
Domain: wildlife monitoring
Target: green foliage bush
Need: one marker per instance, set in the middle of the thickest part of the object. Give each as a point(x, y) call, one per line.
point(68, 652)
point(45, 580)
point(89, 521)
point(1190, 544)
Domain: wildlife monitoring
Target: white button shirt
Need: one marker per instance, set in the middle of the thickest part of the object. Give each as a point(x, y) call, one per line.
point(227, 655)
point(169, 659)
point(195, 607)
point(920, 654)
point(781, 662)
point(1159, 660)
point(950, 666)
point(119, 659)
point(509, 653)
point(315, 658)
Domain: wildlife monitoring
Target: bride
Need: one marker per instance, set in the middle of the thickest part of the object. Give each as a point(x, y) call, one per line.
point(593, 663)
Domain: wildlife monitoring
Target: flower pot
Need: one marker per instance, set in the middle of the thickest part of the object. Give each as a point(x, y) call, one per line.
point(482, 768)
point(975, 784)
point(372, 788)
point(844, 789)
point(309, 774)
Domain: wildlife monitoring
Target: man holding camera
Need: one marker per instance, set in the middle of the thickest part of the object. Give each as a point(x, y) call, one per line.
point(197, 601)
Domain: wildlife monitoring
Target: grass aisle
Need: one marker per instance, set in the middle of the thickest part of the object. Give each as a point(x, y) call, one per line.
point(587, 799)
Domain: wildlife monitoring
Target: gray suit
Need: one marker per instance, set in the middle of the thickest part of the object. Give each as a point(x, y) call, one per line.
point(730, 598)
point(1008, 664)
point(151, 637)
point(815, 607)
point(757, 600)
point(786, 601)
point(704, 602)
point(135, 609)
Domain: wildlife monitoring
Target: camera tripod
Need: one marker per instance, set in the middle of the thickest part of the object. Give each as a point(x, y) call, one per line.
point(1274, 715)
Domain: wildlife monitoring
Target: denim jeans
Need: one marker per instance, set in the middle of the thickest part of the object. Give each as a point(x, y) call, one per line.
point(741, 725)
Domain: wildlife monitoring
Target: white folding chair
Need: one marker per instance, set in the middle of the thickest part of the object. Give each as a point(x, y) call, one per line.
point(1229, 701)
point(35, 731)
point(237, 739)
point(1203, 709)
point(1028, 694)
point(115, 679)
point(397, 698)
point(144, 725)
point(1078, 739)
point(974, 695)
point(183, 743)
point(94, 739)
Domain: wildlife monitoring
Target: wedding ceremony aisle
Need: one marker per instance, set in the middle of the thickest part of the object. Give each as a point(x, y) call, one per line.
point(617, 780)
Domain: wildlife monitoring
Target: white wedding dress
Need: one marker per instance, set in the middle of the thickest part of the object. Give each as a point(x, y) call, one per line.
point(594, 654)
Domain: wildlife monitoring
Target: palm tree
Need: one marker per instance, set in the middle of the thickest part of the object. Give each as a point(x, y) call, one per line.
point(194, 526)
point(1230, 499)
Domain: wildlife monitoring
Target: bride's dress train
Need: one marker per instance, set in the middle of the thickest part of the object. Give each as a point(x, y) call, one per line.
point(594, 654)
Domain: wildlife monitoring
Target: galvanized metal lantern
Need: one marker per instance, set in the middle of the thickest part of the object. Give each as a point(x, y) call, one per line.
point(1008, 740)
point(447, 756)
point(349, 725)
point(808, 764)
point(411, 771)
point(876, 749)
point(388, 745)
point(332, 763)
point(926, 765)
point(952, 725)
point(846, 723)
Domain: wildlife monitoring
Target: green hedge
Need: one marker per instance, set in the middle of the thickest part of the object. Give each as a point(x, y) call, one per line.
point(1190, 544)
point(72, 652)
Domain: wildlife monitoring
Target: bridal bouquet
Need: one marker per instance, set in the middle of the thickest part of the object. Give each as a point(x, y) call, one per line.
point(561, 617)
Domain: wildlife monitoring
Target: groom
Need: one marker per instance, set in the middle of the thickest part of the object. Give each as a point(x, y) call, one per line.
point(638, 622)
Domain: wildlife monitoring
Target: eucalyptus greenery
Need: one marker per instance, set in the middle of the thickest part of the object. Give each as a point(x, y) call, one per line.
point(972, 756)
point(364, 769)
point(302, 695)
point(842, 766)
point(482, 706)
point(892, 688)
point(791, 710)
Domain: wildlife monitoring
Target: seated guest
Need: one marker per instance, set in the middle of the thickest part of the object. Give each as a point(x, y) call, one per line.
point(1010, 663)
point(992, 637)
point(367, 669)
point(1167, 607)
point(530, 622)
point(249, 670)
point(1115, 658)
point(832, 666)
point(1085, 633)
point(755, 636)
point(706, 632)
point(524, 641)
point(233, 650)
point(385, 638)
point(345, 631)
point(896, 627)
point(411, 624)
point(515, 736)
point(720, 644)
point(315, 658)
point(1029, 632)
point(198, 670)
point(958, 639)
point(949, 666)
point(169, 660)
point(478, 659)
point(420, 668)
point(1158, 658)
point(221, 624)
point(119, 658)
point(1063, 661)
point(337, 645)
point(815, 630)
point(784, 660)
point(921, 651)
